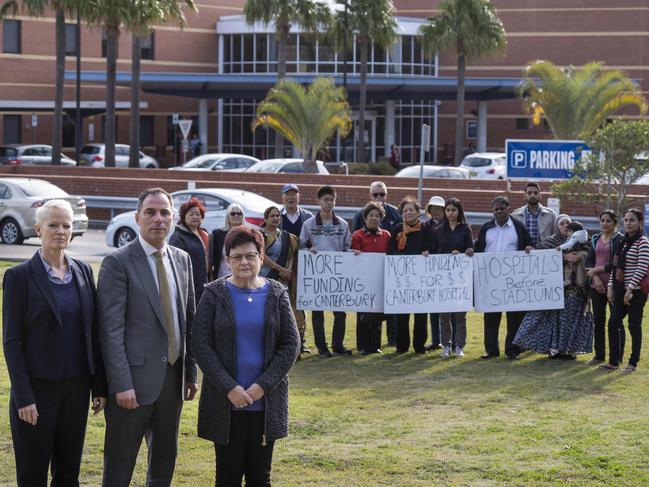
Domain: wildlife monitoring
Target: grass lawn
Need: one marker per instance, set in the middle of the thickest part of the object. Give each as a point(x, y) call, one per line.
point(419, 421)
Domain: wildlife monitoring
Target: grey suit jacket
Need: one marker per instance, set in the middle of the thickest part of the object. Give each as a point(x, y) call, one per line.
point(132, 333)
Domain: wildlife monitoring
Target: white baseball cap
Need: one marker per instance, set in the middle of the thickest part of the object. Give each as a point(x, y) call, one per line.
point(436, 201)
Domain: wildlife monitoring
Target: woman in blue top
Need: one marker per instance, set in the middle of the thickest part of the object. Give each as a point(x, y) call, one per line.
point(245, 341)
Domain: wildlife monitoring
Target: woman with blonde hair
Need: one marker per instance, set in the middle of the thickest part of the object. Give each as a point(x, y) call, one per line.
point(218, 265)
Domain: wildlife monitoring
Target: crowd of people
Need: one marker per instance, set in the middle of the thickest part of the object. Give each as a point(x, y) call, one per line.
point(225, 302)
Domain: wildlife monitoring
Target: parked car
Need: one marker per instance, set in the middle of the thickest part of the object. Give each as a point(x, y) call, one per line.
point(95, 155)
point(122, 229)
point(432, 171)
point(284, 166)
point(218, 162)
point(19, 200)
point(486, 165)
point(30, 154)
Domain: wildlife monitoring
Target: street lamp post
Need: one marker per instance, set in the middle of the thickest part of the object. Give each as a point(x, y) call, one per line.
point(344, 141)
point(78, 132)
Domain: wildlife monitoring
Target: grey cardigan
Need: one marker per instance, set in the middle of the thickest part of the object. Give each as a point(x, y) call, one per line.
point(214, 339)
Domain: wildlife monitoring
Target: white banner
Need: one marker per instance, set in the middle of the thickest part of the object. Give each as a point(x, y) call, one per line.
point(440, 283)
point(516, 281)
point(340, 281)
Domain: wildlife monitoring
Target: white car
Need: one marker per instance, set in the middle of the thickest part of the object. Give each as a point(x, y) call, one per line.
point(94, 155)
point(432, 171)
point(218, 162)
point(122, 229)
point(486, 165)
point(19, 200)
point(285, 166)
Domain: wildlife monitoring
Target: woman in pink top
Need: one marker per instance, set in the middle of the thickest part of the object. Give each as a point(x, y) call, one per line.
point(599, 265)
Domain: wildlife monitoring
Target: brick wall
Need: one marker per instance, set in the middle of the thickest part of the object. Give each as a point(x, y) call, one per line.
point(352, 191)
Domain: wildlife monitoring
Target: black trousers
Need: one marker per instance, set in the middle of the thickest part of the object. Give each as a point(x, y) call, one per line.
point(244, 455)
point(435, 329)
point(491, 326)
point(391, 328)
point(338, 336)
point(58, 435)
point(616, 325)
point(420, 332)
point(157, 422)
point(600, 303)
point(368, 331)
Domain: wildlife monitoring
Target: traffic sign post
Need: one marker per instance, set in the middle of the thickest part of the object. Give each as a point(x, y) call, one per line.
point(544, 159)
point(185, 127)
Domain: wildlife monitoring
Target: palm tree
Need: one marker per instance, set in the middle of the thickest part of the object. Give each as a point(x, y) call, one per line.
point(36, 8)
point(576, 101)
point(145, 14)
point(309, 14)
point(472, 29)
point(372, 21)
point(307, 117)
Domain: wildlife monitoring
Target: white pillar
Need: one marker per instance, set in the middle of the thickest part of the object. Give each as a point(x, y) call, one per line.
point(388, 131)
point(202, 124)
point(219, 122)
point(482, 126)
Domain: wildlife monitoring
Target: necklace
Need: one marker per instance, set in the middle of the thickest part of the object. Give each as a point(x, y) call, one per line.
point(250, 295)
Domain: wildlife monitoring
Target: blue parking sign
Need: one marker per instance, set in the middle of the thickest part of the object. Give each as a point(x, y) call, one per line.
point(646, 218)
point(543, 159)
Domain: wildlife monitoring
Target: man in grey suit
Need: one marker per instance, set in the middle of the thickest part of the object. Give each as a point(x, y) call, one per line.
point(146, 306)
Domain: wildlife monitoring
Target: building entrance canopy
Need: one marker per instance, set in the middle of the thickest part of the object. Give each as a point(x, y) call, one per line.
point(201, 85)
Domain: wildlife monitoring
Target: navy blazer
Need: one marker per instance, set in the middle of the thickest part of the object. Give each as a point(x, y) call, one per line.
point(32, 328)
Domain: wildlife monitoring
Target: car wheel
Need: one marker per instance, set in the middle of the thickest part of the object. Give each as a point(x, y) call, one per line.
point(150, 166)
point(10, 232)
point(124, 236)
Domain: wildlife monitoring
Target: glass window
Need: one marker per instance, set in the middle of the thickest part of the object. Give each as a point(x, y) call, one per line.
point(71, 48)
point(227, 42)
point(307, 54)
point(5, 193)
point(291, 55)
point(292, 167)
point(212, 203)
point(146, 130)
point(68, 131)
point(146, 46)
point(261, 53)
point(406, 54)
point(248, 53)
point(236, 53)
point(11, 36)
point(11, 129)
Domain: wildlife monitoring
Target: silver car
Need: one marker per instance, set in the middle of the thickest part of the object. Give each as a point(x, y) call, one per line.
point(19, 200)
point(122, 229)
point(432, 171)
point(94, 155)
point(30, 154)
point(218, 162)
point(285, 166)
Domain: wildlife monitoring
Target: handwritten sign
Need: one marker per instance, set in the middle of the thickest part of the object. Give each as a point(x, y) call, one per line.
point(516, 281)
point(340, 281)
point(440, 283)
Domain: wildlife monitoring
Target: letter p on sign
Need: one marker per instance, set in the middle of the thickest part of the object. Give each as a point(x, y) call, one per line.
point(519, 159)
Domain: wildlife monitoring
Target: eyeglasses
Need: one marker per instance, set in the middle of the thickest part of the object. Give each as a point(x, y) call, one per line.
point(378, 195)
point(238, 258)
point(236, 213)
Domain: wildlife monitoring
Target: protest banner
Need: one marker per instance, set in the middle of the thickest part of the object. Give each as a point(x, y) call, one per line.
point(340, 281)
point(440, 283)
point(517, 281)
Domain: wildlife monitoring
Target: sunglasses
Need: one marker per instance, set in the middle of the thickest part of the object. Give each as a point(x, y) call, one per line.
point(236, 213)
point(378, 195)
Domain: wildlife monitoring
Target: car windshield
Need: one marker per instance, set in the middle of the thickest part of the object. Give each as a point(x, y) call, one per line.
point(8, 152)
point(476, 162)
point(90, 149)
point(265, 168)
point(201, 163)
point(41, 188)
point(251, 201)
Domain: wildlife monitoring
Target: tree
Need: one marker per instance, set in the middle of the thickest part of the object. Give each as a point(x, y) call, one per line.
point(576, 101)
point(309, 14)
point(472, 30)
point(145, 14)
point(617, 161)
point(307, 117)
point(372, 21)
point(36, 8)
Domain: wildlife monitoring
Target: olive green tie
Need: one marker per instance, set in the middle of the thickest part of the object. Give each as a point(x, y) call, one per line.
point(167, 309)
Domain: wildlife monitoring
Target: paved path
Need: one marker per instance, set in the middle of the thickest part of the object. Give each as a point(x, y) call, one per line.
point(91, 247)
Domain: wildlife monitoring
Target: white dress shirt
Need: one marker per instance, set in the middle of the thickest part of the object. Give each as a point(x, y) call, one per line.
point(149, 250)
point(502, 238)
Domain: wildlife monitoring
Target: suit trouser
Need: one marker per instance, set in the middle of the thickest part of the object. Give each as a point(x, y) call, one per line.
point(491, 326)
point(419, 332)
point(157, 422)
point(57, 436)
point(600, 303)
point(616, 331)
point(338, 336)
point(244, 455)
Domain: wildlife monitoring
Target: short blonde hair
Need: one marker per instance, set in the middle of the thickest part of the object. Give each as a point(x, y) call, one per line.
point(43, 211)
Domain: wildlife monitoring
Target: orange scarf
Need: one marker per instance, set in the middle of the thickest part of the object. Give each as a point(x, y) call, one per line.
point(402, 237)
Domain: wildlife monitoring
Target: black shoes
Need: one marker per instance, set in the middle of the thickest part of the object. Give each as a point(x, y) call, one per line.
point(345, 352)
point(325, 353)
point(490, 355)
